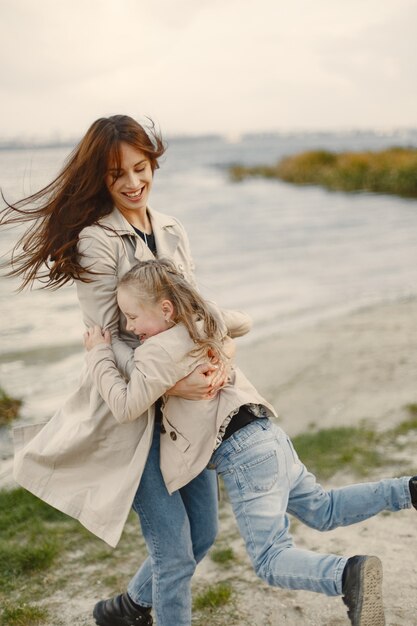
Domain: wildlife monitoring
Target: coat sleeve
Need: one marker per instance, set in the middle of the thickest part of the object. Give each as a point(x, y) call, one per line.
point(238, 323)
point(154, 373)
point(234, 323)
point(97, 298)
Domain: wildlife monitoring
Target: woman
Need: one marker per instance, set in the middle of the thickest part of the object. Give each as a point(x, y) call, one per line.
point(91, 224)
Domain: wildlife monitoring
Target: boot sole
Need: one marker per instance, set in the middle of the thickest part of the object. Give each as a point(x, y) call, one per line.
point(371, 611)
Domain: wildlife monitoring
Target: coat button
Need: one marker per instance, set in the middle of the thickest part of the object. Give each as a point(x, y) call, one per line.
point(180, 267)
point(163, 431)
point(173, 435)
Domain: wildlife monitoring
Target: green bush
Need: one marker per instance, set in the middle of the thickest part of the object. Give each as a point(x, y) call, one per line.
point(9, 407)
point(392, 171)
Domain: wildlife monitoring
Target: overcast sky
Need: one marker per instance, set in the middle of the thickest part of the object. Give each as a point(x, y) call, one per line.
point(201, 66)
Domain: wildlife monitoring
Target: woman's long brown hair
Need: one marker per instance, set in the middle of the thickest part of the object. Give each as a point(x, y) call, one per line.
point(78, 197)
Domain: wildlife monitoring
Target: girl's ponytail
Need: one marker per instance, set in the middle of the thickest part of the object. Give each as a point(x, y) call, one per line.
point(158, 279)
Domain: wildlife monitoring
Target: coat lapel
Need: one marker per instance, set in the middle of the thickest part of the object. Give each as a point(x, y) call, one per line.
point(166, 237)
point(164, 228)
point(117, 222)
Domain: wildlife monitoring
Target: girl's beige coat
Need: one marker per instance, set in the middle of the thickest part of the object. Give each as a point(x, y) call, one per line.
point(83, 461)
point(190, 428)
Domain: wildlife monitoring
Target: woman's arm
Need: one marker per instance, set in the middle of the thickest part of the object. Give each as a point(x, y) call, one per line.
point(97, 298)
point(237, 323)
point(202, 383)
point(207, 379)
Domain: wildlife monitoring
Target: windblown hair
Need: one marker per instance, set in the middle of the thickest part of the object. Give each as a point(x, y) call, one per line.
point(158, 279)
point(78, 197)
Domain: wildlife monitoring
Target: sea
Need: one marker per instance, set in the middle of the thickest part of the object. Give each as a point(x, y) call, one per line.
point(288, 255)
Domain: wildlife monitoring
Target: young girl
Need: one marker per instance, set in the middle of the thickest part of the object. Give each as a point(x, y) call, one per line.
point(234, 434)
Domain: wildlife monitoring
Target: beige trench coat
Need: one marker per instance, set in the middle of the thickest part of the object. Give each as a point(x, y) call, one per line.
point(83, 462)
point(190, 428)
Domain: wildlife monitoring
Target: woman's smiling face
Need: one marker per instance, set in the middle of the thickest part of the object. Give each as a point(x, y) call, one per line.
point(130, 185)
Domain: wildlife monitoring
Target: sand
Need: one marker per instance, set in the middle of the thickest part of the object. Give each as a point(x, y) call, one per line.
point(359, 366)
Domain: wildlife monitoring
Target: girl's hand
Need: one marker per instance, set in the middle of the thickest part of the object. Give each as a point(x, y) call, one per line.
point(94, 336)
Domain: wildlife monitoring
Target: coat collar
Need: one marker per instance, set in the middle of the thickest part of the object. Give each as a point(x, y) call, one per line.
point(164, 227)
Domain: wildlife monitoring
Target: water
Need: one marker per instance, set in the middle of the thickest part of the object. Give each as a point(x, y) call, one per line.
point(288, 255)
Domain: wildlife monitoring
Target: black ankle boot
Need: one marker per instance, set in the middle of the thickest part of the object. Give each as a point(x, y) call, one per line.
point(413, 491)
point(121, 611)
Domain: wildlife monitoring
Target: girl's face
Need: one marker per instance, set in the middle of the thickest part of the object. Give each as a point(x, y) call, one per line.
point(130, 185)
point(144, 320)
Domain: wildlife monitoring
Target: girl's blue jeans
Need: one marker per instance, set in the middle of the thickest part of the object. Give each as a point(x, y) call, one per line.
point(265, 479)
point(178, 530)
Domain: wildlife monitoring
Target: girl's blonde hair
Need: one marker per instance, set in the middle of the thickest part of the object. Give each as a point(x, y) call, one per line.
point(158, 279)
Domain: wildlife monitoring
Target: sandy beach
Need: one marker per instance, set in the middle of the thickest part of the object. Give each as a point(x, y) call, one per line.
point(341, 371)
point(362, 365)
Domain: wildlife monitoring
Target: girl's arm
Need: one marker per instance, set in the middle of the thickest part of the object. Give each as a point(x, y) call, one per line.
point(154, 373)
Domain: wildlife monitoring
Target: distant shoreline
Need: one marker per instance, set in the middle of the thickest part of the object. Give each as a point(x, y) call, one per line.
point(12, 145)
point(400, 134)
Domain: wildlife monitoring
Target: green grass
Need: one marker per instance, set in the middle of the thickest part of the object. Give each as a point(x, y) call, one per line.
point(24, 615)
point(392, 171)
point(223, 556)
point(333, 449)
point(213, 596)
point(20, 511)
point(31, 536)
point(43, 551)
point(357, 449)
point(405, 427)
point(412, 409)
point(9, 408)
point(17, 559)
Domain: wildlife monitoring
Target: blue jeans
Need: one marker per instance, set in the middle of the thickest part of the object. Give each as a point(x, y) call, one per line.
point(178, 530)
point(265, 479)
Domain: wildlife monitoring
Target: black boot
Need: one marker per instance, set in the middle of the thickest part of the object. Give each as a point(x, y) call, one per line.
point(121, 611)
point(413, 491)
point(362, 591)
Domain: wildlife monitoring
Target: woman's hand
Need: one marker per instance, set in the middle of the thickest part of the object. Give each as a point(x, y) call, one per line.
point(207, 379)
point(199, 385)
point(94, 336)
